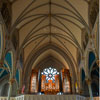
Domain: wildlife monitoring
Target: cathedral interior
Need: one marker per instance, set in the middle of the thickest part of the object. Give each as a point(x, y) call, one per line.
point(49, 49)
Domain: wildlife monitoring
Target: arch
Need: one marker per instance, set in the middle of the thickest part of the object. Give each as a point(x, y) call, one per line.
point(84, 85)
point(47, 54)
point(4, 72)
point(52, 61)
point(95, 70)
point(34, 55)
point(88, 61)
point(14, 89)
point(95, 89)
point(5, 89)
point(43, 49)
point(25, 18)
point(4, 81)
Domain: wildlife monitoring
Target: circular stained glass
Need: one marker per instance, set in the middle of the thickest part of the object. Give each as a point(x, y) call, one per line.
point(50, 73)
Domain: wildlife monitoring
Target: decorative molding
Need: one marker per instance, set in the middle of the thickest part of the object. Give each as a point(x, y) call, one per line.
point(12, 80)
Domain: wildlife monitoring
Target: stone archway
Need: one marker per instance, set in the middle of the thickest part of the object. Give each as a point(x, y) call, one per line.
point(5, 89)
point(34, 56)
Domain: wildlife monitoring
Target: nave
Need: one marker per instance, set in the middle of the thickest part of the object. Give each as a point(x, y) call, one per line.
point(49, 50)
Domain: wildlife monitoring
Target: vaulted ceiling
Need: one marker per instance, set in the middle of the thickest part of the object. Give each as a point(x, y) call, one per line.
point(42, 22)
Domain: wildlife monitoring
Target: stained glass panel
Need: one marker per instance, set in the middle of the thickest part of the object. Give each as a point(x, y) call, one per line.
point(50, 73)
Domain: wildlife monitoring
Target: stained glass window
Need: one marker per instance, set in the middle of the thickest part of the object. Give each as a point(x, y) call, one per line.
point(50, 73)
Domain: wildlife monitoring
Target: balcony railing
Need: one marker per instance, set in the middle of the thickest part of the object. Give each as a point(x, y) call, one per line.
point(49, 97)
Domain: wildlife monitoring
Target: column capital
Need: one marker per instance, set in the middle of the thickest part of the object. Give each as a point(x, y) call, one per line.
point(88, 81)
point(90, 36)
point(12, 80)
point(83, 57)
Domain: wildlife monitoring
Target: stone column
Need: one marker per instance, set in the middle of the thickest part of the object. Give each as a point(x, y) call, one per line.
point(72, 83)
point(10, 87)
point(90, 89)
point(19, 91)
point(27, 85)
point(73, 86)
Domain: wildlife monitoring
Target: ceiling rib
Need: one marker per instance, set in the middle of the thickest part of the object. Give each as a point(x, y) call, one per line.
point(74, 14)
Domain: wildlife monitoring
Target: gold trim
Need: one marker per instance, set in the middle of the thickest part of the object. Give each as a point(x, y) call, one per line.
point(12, 80)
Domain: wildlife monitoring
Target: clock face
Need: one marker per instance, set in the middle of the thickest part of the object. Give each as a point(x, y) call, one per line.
point(50, 73)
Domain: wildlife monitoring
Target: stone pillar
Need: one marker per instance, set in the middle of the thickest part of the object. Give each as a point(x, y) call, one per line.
point(72, 83)
point(27, 85)
point(90, 89)
point(73, 86)
point(19, 91)
point(10, 87)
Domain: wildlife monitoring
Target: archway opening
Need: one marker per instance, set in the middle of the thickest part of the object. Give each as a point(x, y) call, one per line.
point(50, 57)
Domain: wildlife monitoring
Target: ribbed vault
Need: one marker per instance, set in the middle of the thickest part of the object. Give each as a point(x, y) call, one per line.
point(50, 54)
point(50, 21)
point(44, 23)
point(50, 61)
